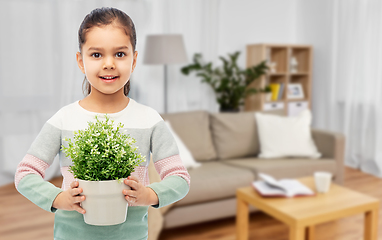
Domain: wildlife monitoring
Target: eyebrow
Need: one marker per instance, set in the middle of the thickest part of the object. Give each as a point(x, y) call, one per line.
point(99, 49)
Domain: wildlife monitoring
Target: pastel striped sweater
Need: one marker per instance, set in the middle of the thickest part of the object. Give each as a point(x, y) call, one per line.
point(146, 126)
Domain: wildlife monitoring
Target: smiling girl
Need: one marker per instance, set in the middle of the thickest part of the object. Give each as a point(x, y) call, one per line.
point(107, 56)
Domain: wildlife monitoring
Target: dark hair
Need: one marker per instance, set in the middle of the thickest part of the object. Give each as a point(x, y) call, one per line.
point(102, 17)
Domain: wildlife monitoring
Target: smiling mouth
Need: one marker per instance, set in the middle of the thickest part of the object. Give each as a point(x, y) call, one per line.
point(109, 79)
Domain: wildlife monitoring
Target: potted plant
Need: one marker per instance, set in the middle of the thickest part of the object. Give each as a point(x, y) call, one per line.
point(268, 93)
point(103, 156)
point(230, 82)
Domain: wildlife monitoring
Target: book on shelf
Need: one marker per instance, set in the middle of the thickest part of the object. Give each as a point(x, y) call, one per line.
point(281, 90)
point(277, 91)
point(275, 88)
point(270, 187)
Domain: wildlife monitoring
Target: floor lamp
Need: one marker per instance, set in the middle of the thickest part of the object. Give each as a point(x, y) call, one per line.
point(165, 49)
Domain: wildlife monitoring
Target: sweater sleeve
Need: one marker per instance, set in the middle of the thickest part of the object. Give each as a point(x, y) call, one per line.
point(30, 173)
point(175, 182)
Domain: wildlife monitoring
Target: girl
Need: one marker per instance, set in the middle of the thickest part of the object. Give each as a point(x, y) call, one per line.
point(107, 57)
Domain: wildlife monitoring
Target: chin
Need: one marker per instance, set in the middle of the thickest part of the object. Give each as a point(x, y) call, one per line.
point(108, 91)
point(111, 92)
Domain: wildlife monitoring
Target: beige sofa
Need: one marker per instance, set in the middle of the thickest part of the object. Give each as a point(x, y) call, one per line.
point(227, 145)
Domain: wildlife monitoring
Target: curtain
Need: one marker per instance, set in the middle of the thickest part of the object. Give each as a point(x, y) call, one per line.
point(355, 90)
point(39, 74)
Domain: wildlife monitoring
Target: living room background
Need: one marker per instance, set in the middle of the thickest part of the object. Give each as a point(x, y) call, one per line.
point(38, 72)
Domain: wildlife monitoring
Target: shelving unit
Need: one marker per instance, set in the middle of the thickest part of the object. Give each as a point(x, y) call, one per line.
point(280, 58)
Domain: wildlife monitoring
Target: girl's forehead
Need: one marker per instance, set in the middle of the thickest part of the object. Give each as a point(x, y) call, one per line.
point(109, 36)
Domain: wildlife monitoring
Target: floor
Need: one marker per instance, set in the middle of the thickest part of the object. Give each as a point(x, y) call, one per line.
point(264, 227)
point(21, 219)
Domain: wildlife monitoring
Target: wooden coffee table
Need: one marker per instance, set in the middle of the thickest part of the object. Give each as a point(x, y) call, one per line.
point(302, 213)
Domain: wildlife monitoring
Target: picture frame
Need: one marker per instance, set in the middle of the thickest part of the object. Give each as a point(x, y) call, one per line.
point(295, 91)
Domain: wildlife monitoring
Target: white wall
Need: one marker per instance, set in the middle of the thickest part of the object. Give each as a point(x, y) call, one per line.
point(314, 26)
point(244, 22)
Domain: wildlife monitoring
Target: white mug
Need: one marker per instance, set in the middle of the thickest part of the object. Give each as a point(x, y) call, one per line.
point(322, 180)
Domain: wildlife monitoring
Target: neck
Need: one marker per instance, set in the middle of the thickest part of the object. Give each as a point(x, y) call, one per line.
point(105, 103)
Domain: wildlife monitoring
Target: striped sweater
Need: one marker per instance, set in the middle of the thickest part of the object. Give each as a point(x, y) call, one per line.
point(143, 124)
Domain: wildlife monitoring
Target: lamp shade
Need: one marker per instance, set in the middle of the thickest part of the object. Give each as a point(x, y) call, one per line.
point(164, 49)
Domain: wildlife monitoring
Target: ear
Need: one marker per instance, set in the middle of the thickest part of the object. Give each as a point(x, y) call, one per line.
point(134, 61)
point(80, 62)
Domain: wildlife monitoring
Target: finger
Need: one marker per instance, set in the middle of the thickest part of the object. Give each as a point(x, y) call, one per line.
point(133, 184)
point(79, 209)
point(130, 199)
point(130, 193)
point(79, 199)
point(74, 184)
point(75, 191)
point(133, 178)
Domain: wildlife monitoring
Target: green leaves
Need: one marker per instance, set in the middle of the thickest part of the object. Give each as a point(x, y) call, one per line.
point(230, 83)
point(102, 152)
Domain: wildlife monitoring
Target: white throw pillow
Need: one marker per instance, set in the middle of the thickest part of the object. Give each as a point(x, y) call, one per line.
point(186, 156)
point(286, 136)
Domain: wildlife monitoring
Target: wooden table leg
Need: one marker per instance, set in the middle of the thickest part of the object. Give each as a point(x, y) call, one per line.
point(296, 233)
point(371, 225)
point(242, 220)
point(310, 233)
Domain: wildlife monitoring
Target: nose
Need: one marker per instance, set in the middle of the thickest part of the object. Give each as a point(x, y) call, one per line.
point(108, 63)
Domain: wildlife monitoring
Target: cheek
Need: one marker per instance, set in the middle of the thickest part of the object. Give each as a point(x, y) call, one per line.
point(92, 66)
point(126, 66)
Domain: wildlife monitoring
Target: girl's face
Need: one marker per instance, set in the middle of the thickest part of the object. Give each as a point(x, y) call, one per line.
point(107, 59)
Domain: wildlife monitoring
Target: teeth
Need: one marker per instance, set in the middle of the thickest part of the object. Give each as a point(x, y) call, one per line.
point(108, 77)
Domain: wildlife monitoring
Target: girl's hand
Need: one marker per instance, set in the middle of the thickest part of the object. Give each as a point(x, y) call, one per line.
point(70, 200)
point(139, 195)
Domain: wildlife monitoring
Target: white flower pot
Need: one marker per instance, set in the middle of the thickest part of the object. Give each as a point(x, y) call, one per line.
point(105, 203)
point(268, 97)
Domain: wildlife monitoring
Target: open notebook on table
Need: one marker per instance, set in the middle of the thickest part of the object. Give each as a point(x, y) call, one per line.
point(270, 187)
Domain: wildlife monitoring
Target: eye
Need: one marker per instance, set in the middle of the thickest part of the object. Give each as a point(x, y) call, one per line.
point(96, 55)
point(120, 54)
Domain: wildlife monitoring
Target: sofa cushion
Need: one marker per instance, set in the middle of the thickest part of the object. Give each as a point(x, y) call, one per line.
point(285, 168)
point(282, 136)
point(185, 154)
point(194, 130)
point(235, 134)
point(214, 181)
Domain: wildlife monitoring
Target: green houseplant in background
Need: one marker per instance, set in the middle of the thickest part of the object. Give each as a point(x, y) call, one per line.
point(103, 156)
point(230, 82)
